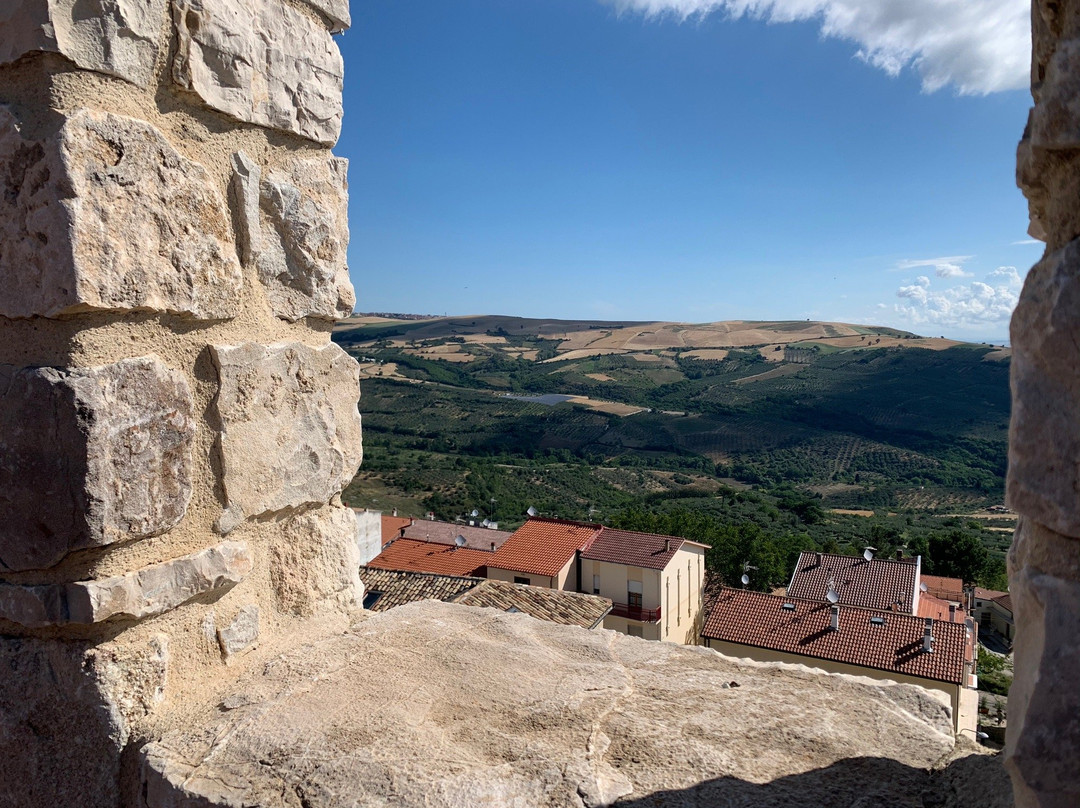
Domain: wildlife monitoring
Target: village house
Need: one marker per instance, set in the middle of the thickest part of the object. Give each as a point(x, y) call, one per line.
point(412, 555)
point(995, 610)
point(878, 643)
point(654, 582)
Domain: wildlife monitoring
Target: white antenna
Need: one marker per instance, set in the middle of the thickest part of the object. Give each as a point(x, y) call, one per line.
point(868, 553)
point(746, 573)
point(460, 541)
point(532, 511)
point(832, 595)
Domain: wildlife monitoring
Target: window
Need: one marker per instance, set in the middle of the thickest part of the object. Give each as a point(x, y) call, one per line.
point(519, 580)
point(370, 597)
point(634, 631)
point(877, 621)
point(678, 597)
point(789, 607)
point(596, 584)
point(633, 594)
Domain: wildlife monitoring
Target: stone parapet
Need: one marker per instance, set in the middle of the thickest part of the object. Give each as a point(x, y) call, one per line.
point(1043, 738)
point(166, 304)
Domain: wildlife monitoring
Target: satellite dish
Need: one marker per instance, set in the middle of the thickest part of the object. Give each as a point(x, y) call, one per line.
point(532, 511)
point(485, 523)
point(922, 587)
point(868, 553)
point(460, 541)
point(474, 512)
point(745, 579)
point(831, 596)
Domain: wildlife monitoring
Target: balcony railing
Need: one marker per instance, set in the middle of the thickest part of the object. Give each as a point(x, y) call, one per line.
point(636, 613)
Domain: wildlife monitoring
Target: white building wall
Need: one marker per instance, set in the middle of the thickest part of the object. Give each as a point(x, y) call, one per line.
point(368, 534)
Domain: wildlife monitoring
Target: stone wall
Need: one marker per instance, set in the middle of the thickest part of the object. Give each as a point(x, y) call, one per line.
point(1043, 740)
point(177, 425)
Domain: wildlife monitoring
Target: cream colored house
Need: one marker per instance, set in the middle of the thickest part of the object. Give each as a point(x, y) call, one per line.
point(655, 583)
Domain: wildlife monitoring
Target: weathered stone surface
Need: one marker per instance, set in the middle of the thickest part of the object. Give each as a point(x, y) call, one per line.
point(315, 564)
point(440, 705)
point(295, 230)
point(241, 633)
point(263, 62)
point(119, 38)
point(337, 11)
point(1043, 739)
point(66, 712)
point(131, 596)
point(1055, 120)
point(1044, 435)
point(107, 215)
point(290, 426)
point(91, 456)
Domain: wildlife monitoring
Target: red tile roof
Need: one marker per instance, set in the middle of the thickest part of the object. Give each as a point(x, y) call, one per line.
point(634, 549)
point(876, 584)
point(944, 588)
point(759, 620)
point(479, 538)
point(929, 606)
point(987, 594)
point(422, 556)
point(543, 546)
point(392, 527)
point(1005, 601)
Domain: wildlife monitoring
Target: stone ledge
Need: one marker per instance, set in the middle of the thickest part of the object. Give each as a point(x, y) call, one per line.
point(133, 596)
point(434, 704)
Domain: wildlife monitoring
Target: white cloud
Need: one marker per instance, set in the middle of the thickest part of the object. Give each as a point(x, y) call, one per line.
point(1026, 241)
point(973, 305)
point(978, 46)
point(948, 266)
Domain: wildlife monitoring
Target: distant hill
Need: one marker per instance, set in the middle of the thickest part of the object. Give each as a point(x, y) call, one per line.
point(586, 419)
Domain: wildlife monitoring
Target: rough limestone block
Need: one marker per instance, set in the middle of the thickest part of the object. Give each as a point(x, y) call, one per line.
point(91, 456)
point(290, 428)
point(107, 215)
point(132, 596)
point(337, 11)
point(1055, 120)
point(241, 633)
point(1043, 739)
point(117, 37)
point(294, 228)
point(262, 62)
point(66, 713)
point(1044, 434)
point(315, 565)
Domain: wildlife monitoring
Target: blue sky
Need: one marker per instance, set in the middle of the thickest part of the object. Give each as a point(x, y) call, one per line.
point(682, 160)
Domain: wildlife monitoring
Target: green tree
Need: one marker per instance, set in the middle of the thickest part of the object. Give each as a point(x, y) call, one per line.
point(957, 554)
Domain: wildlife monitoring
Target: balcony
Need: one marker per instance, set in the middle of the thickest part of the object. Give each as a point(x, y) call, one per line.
point(636, 613)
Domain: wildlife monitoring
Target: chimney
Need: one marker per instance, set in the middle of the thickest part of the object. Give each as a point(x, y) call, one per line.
point(928, 636)
point(493, 547)
point(834, 617)
point(395, 511)
point(817, 559)
point(899, 553)
point(667, 545)
point(952, 613)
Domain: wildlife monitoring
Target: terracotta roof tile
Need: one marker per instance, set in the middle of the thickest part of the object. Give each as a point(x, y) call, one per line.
point(422, 556)
point(553, 605)
point(876, 584)
point(1005, 601)
point(396, 588)
point(760, 620)
point(929, 606)
point(392, 527)
point(634, 549)
point(543, 546)
point(479, 538)
point(988, 594)
point(944, 588)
